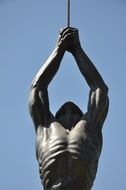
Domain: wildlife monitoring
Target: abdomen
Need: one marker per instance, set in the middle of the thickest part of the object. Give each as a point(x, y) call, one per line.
point(59, 158)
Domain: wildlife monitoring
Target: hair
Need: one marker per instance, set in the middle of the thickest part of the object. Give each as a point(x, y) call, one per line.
point(68, 107)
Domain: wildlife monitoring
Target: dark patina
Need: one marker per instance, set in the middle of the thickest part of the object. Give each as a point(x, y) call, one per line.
point(69, 144)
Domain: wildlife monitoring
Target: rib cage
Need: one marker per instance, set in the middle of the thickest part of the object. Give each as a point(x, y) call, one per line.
point(72, 152)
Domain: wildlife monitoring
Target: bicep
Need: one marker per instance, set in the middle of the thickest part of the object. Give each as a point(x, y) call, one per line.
point(98, 106)
point(38, 106)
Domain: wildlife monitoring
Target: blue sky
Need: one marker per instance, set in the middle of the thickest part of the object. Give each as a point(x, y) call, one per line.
point(28, 34)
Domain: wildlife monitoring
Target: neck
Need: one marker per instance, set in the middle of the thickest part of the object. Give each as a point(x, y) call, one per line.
point(68, 121)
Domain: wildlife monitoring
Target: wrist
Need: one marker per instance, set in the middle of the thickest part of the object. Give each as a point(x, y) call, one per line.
point(58, 51)
point(77, 50)
point(59, 48)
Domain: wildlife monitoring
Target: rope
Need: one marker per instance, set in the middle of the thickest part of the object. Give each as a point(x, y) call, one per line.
point(68, 13)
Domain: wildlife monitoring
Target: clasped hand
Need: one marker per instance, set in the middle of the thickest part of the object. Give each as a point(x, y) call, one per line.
point(69, 39)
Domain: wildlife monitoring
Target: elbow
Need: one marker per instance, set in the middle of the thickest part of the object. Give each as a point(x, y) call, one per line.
point(106, 89)
point(102, 90)
point(32, 98)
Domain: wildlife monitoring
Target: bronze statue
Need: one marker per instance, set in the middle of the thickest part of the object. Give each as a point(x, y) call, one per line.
point(69, 144)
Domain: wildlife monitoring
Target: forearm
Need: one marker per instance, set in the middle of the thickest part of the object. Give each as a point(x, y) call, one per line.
point(49, 69)
point(88, 70)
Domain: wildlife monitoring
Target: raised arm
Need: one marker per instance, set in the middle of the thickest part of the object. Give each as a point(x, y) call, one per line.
point(38, 99)
point(98, 98)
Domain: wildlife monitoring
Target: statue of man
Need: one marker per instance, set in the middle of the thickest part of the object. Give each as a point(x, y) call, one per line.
point(69, 144)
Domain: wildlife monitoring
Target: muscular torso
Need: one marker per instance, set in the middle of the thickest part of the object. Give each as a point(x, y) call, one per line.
point(68, 159)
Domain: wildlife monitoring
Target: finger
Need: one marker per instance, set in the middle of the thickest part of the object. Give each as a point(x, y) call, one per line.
point(62, 30)
point(67, 33)
point(64, 34)
point(66, 37)
point(67, 30)
point(70, 31)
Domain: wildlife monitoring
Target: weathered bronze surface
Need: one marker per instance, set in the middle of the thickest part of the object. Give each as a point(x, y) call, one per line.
point(69, 144)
